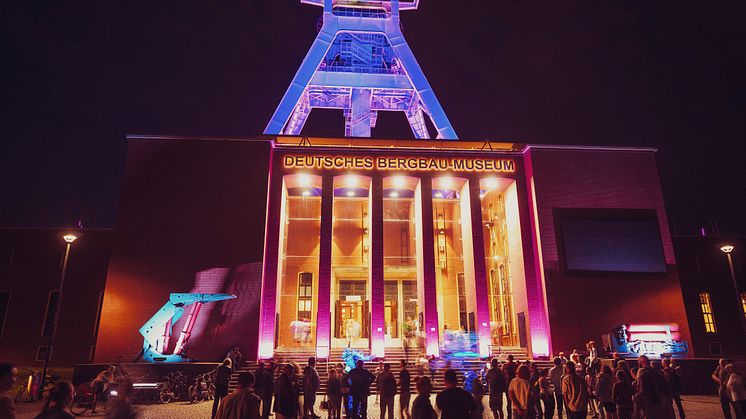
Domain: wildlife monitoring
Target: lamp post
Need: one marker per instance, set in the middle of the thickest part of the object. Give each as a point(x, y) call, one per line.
point(69, 239)
point(728, 249)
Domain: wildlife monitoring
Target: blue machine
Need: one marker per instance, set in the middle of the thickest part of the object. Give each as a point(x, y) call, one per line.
point(159, 329)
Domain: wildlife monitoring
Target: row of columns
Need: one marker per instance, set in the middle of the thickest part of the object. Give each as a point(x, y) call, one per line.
point(427, 290)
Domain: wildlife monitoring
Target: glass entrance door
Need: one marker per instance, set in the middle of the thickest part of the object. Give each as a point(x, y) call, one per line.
point(351, 315)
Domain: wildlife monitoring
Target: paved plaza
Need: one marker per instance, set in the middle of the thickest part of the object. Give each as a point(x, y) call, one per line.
point(694, 406)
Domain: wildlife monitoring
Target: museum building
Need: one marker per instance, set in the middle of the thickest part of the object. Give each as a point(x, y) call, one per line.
point(329, 243)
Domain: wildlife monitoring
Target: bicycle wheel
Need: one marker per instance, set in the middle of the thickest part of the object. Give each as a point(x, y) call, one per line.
point(165, 396)
point(80, 404)
point(21, 394)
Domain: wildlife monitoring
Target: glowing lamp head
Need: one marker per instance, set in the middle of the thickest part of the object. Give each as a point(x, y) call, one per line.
point(350, 193)
point(69, 238)
point(351, 181)
point(438, 195)
point(304, 180)
point(399, 181)
point(306, 193)
point(446, 182)
point(727, 248)
point(394, 194)
point(491, 183)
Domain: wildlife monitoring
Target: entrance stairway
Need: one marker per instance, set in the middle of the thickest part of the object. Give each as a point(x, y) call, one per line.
point(393, 356)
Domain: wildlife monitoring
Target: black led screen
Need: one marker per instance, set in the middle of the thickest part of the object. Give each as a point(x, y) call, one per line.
point(612, 245)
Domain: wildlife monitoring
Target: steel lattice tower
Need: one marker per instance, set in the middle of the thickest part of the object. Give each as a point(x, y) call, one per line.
point(361, 63)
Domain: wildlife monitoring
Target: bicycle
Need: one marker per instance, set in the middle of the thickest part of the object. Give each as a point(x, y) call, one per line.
point(202, 389)
point(174, 388)
point(30, 391)
point(85, 400)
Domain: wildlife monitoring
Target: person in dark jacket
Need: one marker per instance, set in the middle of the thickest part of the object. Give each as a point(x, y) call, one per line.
point(263, 387)
point(674, 380)
point(387, 387)
point(222, 378)
point(404, 391)
point(334, 393)
point(454, 402)
point(421, 408)
point(311, 385)
point(497, 387)
point(360, 381)
point(286, 394)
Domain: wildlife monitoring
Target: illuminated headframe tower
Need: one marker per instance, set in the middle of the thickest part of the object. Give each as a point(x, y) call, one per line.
point(361, 63)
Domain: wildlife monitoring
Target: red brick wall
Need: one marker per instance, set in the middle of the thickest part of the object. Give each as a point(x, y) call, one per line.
point(191, 219)
point(583, 308)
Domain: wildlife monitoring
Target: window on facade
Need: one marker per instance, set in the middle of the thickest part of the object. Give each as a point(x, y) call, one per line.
point(743, 303)
point(4, 304)
point(41, 353)
point(97, 323)
point(707, 316)
point(52, 302)
point(305, 289)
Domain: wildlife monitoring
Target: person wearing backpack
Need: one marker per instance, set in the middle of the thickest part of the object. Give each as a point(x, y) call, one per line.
point(674, 380)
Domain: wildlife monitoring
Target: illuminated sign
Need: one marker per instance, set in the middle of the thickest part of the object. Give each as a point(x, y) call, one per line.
point(293, 161)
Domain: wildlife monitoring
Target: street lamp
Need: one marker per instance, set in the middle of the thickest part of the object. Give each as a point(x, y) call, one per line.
point(69, 239)
point(728, 249)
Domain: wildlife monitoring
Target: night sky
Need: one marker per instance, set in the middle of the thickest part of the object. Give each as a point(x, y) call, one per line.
point(79, 76)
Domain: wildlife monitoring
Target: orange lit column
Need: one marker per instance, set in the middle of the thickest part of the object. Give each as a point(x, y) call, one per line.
point(323, 311)
point(480, 270)
point(426, 289)
point(377, 321)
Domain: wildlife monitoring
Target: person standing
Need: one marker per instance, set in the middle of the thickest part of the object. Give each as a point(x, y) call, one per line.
point(57, 402)
point(555, 375)
point(311, 385)
point(477, 392)
point(621, 394)
point(421, 408)
point(736, 391)
point(344, 386)
point(243, 403)
point(519, 394)
point(509, 369)
point(334, 393)
point(387, 386)
point(264, 381)
point(360, 381)
point(404, 391)
point(674, 380)
point(454, 402)
point(546, 393)
point(649, 401)
point(604, 388)
point(222, 378)
point(286, 394)
point(8, 378)
point(574, 393)
point(721, 376)
point(497, 387)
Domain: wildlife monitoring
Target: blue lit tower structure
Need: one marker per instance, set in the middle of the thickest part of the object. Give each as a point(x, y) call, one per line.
point(361, 63)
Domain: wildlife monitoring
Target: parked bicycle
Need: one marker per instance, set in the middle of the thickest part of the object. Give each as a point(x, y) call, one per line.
point(29, 392)
point(202, 388)
point(175, 387)
point(85, 400)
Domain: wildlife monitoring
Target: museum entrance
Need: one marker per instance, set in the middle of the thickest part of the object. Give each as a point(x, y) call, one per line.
point(400, 311)
point(351, 314)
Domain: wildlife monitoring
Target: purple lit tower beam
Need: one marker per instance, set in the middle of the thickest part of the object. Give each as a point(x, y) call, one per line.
point(361, 63)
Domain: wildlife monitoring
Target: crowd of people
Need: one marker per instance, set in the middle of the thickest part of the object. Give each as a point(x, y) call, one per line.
point(577, 387)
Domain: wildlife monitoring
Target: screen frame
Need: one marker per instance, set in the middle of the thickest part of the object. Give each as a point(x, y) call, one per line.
point(605, 214)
